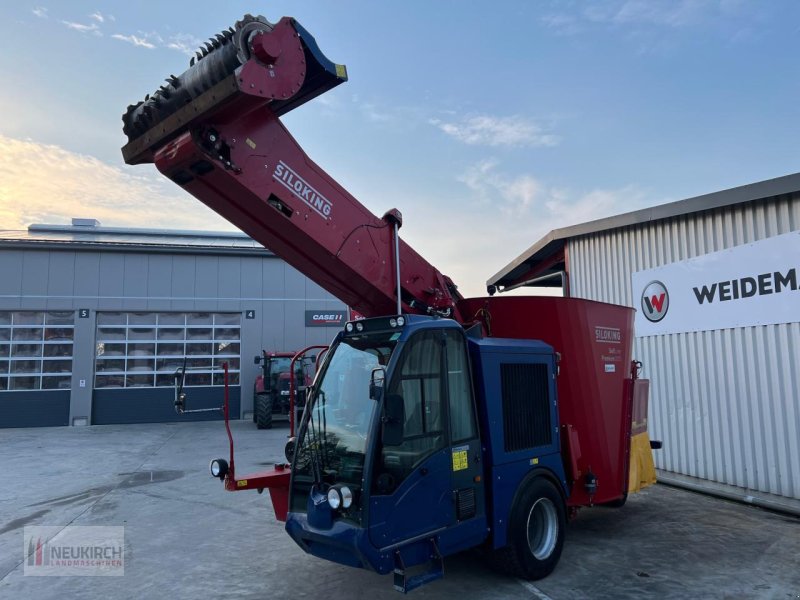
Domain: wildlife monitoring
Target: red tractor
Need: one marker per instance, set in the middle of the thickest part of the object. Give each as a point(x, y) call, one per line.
point(272, 389)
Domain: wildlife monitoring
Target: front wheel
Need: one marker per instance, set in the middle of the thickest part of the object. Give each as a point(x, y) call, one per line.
point(536, 532)
point(263, 410)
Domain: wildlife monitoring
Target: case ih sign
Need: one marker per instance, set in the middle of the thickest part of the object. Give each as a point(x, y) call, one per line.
point(751, 284)
point(325, 318)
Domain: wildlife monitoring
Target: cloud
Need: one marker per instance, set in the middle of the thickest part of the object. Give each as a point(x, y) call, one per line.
point(97, 16)
point(184, 43)
point(83, 28)
point(40, 11)
point(490, 130)
point(42, 183)
point(136, 41)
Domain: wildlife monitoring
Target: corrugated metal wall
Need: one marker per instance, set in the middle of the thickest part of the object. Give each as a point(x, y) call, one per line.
point(726, 403)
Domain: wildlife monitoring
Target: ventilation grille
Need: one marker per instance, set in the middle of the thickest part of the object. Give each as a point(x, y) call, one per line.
point(465, 504)
point(526, 406)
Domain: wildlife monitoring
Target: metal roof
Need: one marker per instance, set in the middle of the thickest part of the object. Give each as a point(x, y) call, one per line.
point(554, 242)
point(83, 236)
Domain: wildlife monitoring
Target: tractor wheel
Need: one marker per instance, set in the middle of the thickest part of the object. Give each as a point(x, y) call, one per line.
point(536, 532)
point(263, 411)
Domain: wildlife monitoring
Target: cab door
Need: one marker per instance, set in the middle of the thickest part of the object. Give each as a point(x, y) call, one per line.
point(432, 480)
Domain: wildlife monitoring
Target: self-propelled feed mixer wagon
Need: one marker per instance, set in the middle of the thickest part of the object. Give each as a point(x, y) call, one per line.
point(438, 423)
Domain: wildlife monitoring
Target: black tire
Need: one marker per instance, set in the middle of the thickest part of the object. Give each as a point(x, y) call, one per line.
point(536, 532)
point(255, 398)
point(263, 410)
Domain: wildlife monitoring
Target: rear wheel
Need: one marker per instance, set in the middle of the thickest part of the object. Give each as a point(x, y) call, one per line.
point(263, 411)
point(536, 532)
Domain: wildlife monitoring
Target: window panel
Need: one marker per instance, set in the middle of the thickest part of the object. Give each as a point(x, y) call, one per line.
point(139, 364)
point(106, 364)
point(200, 333)
point(58, 334)
point(138, 381)
point(5, 334)
point(169, 365)
point(60, 318)
point(462, 411)
point(24, 383)
point(109, 381)
point(5, 350)
point(3, 367)
point(26, 366)
point(226, 334)
point(199, 319)
point(111, 318)
point(58, 350)
point(56, 366)
point(226, 349)
point(5, 318)
point(26, 334)
point(28, 318)
point(233, 379)
point(194, 379)
point(171, 334)
point(198, 349)
point(106, 349)
point(141, 333)
point(141, 319)
point(26, 350)
point(172, 319)
point(3, 384)
point(165, 380)
point(233, 363)
point(141, 349)
point(170, 349)
point(110, 334)
point(227, 319)
point(56, 383)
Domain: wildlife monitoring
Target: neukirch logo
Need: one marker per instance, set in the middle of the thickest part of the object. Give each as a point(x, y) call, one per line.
point(655, 301)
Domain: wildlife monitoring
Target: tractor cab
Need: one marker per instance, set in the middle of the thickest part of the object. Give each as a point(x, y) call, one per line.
point(390, 426)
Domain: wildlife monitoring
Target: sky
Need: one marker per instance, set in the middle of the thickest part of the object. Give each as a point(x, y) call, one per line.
point(486, 124)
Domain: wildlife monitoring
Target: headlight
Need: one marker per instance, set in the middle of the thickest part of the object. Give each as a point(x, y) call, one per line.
point(347, 496)
point(401, 321)
point(218, 468)
point(334, 498)
point(393, 322)
point(349, 328)
point(360, 326)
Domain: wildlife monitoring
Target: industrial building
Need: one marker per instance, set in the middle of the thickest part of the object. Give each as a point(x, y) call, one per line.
point(94, 321)
point(715, 282)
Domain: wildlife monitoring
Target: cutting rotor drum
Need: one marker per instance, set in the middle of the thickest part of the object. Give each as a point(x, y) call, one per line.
point(213, 62)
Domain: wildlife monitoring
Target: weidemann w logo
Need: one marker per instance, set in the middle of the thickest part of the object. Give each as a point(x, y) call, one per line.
point(655, 301)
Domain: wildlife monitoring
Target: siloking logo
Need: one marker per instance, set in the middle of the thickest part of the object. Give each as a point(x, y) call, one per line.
point(285, 175)
point(655, 301)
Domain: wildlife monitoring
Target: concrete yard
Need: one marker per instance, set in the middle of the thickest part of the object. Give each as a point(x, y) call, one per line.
point(185, 537)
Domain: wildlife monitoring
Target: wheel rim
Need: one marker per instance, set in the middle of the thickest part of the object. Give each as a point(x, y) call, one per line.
point(542, 528)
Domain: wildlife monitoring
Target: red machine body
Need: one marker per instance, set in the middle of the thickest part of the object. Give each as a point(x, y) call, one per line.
point(227, 147)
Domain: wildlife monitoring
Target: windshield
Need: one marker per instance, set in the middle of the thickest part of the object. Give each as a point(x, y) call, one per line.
point(279, 365)
point(334, 435)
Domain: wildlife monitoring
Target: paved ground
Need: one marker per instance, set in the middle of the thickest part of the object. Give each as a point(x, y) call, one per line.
point(187, 538)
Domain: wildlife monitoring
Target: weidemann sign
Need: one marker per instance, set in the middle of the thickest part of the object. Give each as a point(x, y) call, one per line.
point(751, 284)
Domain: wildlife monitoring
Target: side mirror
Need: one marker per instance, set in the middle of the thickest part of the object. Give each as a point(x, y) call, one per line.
point(376, 380)
point(394, 416)
point(257, 360)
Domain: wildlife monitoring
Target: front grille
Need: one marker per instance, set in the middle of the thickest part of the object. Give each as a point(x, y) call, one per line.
point(526, 406)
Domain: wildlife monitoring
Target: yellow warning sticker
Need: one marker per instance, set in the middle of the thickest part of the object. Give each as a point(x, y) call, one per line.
point(250, 143)
point(242, 483)
point(460, 460)
point(341, 71)
point(534, 461)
